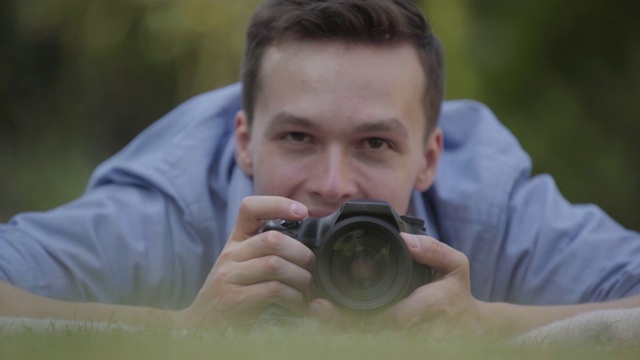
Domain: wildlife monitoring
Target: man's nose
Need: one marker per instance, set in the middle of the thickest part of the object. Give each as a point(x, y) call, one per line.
point(334, 178)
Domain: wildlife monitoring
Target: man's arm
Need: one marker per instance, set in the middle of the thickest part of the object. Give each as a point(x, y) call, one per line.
point(449, 299)
point(254, 270)
point(447, 306)
point(505, 318)
point(116, 244)
point(16, 302)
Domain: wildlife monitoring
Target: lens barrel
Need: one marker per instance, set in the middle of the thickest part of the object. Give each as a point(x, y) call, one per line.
point(363, 264)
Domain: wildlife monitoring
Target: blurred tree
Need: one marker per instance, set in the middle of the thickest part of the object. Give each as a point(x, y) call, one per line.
point(79, 79)
point(84, 77)
point(562, 77)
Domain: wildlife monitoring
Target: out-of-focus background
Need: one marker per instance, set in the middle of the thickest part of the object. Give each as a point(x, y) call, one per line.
point(79, 79)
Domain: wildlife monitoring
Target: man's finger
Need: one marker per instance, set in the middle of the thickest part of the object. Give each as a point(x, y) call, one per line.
point(429, 251)
point(255, 209)
point(271, 243)
point(273, 268)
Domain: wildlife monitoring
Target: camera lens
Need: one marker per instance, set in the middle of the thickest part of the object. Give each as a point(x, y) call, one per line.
point(363, 270)
point(363, 264)
point(359, 263)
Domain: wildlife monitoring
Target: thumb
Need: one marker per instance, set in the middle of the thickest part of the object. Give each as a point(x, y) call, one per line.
point(436, 254)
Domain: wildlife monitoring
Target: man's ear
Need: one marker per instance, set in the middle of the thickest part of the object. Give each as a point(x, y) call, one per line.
point(242, 135)
point(431, 158)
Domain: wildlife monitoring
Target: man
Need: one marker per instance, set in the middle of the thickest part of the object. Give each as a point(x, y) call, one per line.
point(341, 101)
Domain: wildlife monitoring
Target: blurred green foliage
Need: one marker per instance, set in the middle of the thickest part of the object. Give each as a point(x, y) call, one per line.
point(79, 79)
point(297, 342)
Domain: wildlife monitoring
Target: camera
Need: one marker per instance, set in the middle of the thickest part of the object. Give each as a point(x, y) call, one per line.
point(362, 263)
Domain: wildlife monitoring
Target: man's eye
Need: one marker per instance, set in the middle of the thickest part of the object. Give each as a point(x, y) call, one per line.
point(376, 143)
point(296, 136)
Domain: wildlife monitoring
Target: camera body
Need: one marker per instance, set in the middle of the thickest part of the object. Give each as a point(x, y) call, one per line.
point(362, 263)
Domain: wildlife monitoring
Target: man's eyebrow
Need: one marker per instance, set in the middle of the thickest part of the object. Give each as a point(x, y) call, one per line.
point(386, 125)
point(285, 119)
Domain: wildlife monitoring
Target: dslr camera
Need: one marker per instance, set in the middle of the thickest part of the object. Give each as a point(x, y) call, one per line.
point(362, 263)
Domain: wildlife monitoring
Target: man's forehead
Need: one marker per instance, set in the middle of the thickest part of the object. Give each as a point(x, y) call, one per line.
point(376, 85)
point(332, 55)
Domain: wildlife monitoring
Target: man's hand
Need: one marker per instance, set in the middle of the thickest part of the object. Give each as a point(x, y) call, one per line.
point(444, 305)
point(255, 269)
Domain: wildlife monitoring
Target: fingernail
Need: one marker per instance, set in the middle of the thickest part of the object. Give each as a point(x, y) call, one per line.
point(298, 209)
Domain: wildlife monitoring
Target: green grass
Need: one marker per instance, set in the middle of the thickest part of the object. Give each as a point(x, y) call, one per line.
point(284, 344)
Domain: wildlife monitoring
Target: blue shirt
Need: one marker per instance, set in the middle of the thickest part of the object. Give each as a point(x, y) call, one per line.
point(156, 215)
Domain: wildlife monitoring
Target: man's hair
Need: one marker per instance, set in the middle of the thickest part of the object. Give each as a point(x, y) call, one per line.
point(371, 22)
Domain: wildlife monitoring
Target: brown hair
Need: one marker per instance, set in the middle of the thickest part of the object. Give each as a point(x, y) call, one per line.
point(378, 22)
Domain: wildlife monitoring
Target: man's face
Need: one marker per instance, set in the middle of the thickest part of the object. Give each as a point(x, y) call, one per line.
point(336, 121)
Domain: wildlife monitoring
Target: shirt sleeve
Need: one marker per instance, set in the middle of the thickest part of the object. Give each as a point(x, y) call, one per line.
point(556, 252)
point(525, 242)
point(150, 224)
point(117, 244)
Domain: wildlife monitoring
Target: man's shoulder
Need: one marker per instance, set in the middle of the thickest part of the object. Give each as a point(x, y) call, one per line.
point(181, 154)
point(185, 134)
point(469, 123)
point(481, 163)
